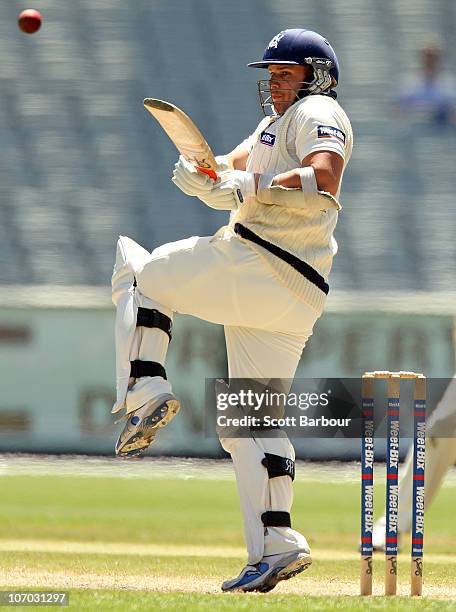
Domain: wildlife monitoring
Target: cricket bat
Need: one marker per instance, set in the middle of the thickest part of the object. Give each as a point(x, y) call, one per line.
point(184, 134)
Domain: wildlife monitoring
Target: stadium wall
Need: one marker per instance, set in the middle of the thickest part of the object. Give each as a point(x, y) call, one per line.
point(57, 365)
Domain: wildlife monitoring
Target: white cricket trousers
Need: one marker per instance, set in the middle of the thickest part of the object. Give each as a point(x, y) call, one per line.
point(223, 281)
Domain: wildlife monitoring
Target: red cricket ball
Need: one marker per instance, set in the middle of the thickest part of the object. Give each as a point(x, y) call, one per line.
point(30, 21)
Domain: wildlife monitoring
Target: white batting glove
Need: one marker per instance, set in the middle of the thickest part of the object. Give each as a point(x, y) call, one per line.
point(189, 180)
point(222, 197)
point(229, 190)
point(239, 179)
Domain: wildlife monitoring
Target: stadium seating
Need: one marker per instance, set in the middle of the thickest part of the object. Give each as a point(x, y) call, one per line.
point(81, 161)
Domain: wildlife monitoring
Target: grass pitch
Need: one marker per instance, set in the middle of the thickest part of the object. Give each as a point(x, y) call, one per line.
point(121, 542)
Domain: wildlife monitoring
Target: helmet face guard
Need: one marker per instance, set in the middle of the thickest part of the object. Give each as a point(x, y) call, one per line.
point(300, 47)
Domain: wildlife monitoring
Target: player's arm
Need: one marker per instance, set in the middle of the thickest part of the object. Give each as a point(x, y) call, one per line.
point(237, 159)
point(327, 166)
point(302, 187)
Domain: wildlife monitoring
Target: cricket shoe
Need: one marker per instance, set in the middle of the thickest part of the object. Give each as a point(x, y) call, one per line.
point(142, 425)
point(265, 575)
point(379, 535)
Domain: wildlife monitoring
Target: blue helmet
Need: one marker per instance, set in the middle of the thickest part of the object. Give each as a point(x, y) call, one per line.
point(304, 47)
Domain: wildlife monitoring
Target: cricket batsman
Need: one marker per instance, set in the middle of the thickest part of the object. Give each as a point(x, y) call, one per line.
point(263, 276)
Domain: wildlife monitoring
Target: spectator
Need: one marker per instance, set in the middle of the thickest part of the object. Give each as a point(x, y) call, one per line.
point(431, 96)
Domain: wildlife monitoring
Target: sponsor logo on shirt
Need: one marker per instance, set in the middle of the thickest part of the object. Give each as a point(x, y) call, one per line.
point(327, 131)
point(267, 139)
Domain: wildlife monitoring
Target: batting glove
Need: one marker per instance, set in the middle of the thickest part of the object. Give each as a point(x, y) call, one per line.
point(229, 190)
point(189, 180)
point(239, 179)
point(222, 197)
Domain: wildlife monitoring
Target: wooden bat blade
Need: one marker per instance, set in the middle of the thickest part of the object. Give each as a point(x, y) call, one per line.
point(183, 132)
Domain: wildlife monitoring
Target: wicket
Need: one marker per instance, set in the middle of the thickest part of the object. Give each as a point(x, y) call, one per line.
point(392, 488)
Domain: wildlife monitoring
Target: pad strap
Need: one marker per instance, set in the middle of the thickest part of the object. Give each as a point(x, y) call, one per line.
point(274, 518)
point(278, 466)
point(150, 317)
point(138, 369)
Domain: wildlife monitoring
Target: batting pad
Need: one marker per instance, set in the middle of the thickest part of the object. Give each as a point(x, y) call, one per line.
point(130, 257)
point(258, 494)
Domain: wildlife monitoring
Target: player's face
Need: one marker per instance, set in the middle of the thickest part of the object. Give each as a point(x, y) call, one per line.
point(285, 82)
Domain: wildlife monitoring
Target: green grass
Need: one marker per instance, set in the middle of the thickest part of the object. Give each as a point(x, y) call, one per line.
point(194, 602)
point(174, 514)
point(201, 512)
point(252, 602)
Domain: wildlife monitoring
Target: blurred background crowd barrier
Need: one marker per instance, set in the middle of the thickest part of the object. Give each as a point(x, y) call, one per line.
point(82, 162)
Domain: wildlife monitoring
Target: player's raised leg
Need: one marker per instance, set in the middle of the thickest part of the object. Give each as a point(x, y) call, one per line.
point(143, 331)
point(221, 281)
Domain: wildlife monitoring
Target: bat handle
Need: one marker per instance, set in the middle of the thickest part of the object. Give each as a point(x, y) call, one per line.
point(211, 173)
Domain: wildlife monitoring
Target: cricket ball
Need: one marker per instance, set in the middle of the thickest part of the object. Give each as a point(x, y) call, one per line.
point(29, 21)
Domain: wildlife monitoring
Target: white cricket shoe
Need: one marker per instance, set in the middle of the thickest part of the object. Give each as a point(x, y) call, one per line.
point(142, 424)
point(265, 575)
point(379, 535)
